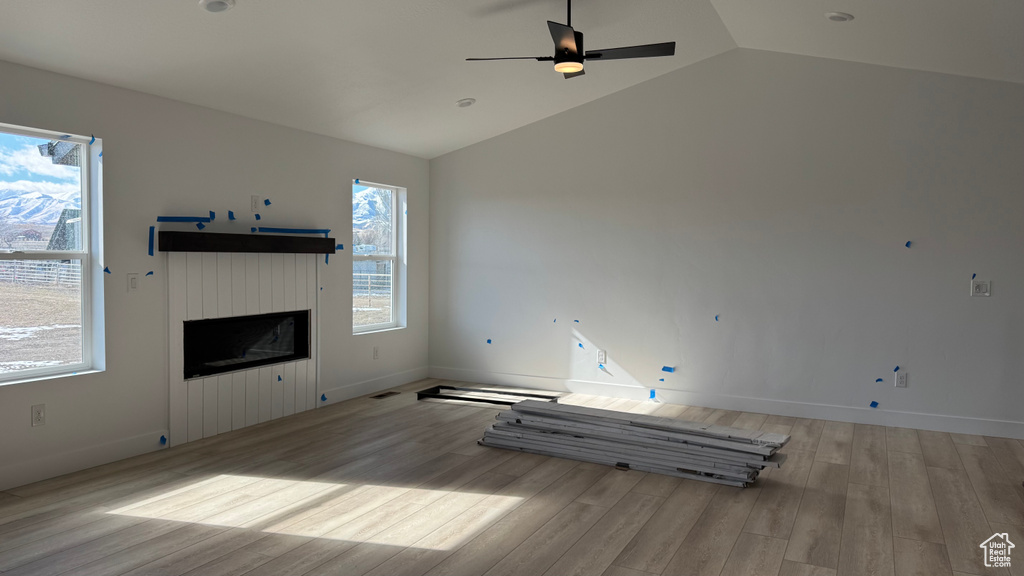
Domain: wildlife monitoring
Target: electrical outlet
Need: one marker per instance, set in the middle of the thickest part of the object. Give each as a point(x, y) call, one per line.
point(376, 353)
point(255, 203)
point(901, 379)
point(39, 415)
point(133, 281)
point(981, 288)
point(602, 357)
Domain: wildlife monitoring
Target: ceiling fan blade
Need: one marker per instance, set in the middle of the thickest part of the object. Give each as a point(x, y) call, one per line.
point(538, 58)
point(564, 37)
point(645, 51)
point(575, 74)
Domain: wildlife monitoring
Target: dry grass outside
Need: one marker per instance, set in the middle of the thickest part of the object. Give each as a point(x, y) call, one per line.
point(371, 310)
point(39, 326)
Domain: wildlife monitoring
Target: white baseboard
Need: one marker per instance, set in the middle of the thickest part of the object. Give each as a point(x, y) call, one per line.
point(21, 473)
point(877, 416)
point(341, 393)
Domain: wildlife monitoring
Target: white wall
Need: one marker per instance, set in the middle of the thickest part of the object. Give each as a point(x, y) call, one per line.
point(167, 158)
point(776, 191)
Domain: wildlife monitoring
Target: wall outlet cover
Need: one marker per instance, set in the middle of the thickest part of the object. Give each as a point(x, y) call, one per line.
point(39, 415)
point(981, 288)
point(901, 379)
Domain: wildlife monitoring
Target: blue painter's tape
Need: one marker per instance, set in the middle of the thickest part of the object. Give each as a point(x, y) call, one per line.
point(152, 232)
point(581, 344)
point(66, 137)
point(107, 270)
point(357, 180)
point(163, 440)
point(258, 217)
point(92, 140)
point(213, 215)
point(973, 276)
point(253, 229)
point(182, 219)
point(323, 397)
point(339, 247)
point(294, 230)
point(266, 202)
point(101, 154)
point(668, 369)
point(327, 259)
point(150, 273)
point(576, 321)
point(874, 404)
point(896, 369)
point(879, 380)
point(716, 317)
point(488, 340)
point(908, 243)
point(200, 225)
point(661, 379)
point(231, 214)
point(652, 393)
point(321, 288)
point(601, 366)
point(278, 378)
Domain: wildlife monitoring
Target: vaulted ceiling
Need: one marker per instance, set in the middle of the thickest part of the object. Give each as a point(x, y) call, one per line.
point(388, 72)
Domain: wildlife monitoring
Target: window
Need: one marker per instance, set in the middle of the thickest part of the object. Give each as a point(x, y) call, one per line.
point(378, 257)
point(45, 252)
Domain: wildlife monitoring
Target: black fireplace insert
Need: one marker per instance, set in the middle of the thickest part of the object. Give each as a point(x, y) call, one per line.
point(219, 345)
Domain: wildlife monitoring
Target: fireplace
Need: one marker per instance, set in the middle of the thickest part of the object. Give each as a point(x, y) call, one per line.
point(219, 345)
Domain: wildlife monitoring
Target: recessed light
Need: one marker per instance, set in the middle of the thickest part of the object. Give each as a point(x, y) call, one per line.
point(839, 16)
point(216, 5)
point(466, 102)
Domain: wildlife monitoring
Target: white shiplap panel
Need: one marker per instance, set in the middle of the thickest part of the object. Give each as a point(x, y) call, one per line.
point(238, 400)
point(252, 283)
point(194, 285)
point(277, 400)
point(211, 393)
point(177, 294)
point(225, 397)
point(277, 282)
point(265, 394)
point(209, 285)
point(289, 281)
point(288, 393)
point(224, 303)
point(265, 289)
point(301, 296)
point(300, 386)
point(252, 397)
point(313, 287)
point(195, 409)
point(238, 285)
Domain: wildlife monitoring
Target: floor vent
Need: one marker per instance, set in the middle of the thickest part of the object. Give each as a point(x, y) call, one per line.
point(385, 395)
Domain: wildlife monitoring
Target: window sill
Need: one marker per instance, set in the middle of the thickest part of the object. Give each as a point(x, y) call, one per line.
point(379, 330)
point(41, 377)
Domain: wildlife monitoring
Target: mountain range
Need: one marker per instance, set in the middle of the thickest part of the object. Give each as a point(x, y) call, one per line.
point(23, 207)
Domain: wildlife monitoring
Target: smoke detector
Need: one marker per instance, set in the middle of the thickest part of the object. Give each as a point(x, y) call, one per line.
point(216, 6)
point(839, 16)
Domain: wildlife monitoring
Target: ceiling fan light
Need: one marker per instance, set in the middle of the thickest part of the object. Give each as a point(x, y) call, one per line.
point(568, 67)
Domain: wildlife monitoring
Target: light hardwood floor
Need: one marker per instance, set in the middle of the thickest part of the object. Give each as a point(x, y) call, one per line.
point(400, 487)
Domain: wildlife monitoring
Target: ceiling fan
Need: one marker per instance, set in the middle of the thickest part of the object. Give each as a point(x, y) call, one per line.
point(569, 55)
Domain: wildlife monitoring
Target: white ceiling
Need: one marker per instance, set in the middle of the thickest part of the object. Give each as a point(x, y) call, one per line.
point(388, 72)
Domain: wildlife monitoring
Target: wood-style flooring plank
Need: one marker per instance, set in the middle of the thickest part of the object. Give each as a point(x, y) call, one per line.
point(755, 555)
point(902, 440)
point(613, 486)
point(968, 439)
point(790, 568)
point(836, 443)
point(867, 532)
point(653, 547)
point(868, 462)
point(749, 421)
point(817, 531)
point(594, 551)
point(706, 547)
point(913, 508)
point(776, 508)
point(964, 526)
point(938, 450)
point(996, 491)
point(545, 546)
point(804, 435)
point(916, 558)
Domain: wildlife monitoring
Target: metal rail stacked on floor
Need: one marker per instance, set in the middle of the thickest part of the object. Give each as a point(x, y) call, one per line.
point(696, 450)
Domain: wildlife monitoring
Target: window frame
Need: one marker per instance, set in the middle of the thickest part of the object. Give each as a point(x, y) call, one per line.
point(396, 257)
point(84, 254)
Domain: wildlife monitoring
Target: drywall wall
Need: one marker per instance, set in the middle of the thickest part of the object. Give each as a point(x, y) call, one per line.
point(744, 220)
point(167, 158)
